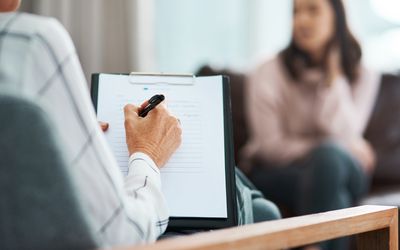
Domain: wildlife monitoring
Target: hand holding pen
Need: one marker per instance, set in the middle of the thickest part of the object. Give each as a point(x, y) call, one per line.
point(158, 135)
point(144, 109)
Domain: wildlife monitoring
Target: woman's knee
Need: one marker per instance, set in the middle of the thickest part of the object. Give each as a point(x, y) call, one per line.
point(327, 168)
point(329, 151)
point(329, 158)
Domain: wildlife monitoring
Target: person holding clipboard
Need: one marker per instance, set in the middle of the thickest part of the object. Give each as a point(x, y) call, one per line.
point(120, 211)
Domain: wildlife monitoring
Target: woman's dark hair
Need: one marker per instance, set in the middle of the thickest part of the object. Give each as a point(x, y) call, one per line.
point(349, 48)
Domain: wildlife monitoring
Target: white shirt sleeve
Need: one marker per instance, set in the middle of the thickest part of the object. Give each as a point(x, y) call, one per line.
point(143, 184)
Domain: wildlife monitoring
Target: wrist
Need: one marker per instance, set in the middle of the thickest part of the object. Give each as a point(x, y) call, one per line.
point(150, 150)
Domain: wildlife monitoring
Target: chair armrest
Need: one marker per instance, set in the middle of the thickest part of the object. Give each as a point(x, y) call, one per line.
point(376, 227)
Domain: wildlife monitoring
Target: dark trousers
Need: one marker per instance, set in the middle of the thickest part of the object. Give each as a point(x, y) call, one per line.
point(327, 179)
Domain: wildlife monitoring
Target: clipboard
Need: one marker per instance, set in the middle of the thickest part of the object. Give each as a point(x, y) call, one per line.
point(186, 81)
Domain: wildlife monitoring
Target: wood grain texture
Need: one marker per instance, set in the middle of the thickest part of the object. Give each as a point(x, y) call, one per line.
point(378, 239)
point(376, 225)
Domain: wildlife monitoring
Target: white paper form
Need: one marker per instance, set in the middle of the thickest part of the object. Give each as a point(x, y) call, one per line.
point(193, 180)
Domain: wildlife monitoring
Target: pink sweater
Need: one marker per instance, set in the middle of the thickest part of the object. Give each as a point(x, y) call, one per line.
point(287, 119)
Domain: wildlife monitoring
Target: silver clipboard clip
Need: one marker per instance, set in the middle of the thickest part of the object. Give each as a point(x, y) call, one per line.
point(142, 78)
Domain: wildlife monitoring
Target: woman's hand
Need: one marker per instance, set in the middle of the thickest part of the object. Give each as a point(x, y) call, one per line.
point(334, 68)
point(158, 134)
point(364, 153)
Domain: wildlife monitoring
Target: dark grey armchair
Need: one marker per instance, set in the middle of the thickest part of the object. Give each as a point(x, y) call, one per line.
point(39, 208)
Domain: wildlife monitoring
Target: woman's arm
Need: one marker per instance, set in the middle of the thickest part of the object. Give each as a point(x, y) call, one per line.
point(348, 112)
point(365, 92)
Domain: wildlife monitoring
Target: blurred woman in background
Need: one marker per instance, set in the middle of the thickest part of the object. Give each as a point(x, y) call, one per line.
point(307, 110)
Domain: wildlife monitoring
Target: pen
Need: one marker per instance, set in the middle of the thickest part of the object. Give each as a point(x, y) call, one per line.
point(153, 102)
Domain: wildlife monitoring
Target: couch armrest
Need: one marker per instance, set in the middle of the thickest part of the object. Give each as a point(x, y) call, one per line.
point(376, 227)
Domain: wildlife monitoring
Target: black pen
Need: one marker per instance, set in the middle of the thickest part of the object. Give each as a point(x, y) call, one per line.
point(153, 102)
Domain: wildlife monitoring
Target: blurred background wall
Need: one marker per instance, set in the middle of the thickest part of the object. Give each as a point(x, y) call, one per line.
point(180, 36)
point(110, 36)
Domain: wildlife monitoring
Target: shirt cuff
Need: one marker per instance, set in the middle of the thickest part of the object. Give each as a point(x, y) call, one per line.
point(142, 164)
